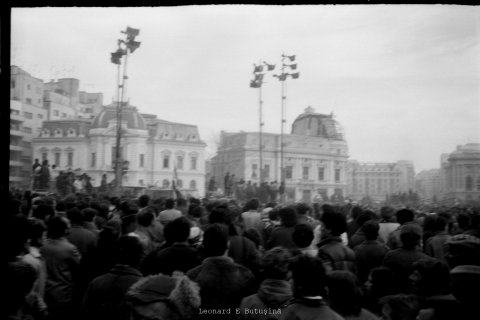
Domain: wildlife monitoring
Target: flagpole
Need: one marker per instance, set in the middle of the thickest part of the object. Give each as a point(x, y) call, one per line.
point(260, 146)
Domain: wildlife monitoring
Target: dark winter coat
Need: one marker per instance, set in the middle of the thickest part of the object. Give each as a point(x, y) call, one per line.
point(178, 256)
point(274, 294)
point(223, 283)
point(335, 255)
point(105, 296)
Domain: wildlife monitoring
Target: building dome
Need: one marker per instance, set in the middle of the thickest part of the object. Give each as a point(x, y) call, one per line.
point(314, 124)
point(130, 115)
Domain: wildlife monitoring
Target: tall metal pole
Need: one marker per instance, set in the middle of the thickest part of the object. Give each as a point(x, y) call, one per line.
point(118, 175)
point(282, 129)
point(118, 156)
point(260, 134)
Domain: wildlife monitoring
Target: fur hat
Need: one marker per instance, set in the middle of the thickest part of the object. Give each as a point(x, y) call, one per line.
point(164, 297)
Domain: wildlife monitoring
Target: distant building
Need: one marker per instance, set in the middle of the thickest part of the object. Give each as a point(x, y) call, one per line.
point(429, 185)
point(462, 173)
point(151, 147)
point(315, 155)
point(31, 102)
point(377, 180)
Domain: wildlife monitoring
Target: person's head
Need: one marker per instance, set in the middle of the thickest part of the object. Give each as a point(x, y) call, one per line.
point(129, 251)
point(215, 240)
point(288, 216)
point(57, 227)
point(466, 284)
point(36, 232)
point(275, 263)
point(365, 216)
point(382, 281)
point(370, 230)
point(145, 217)
point(164, 297)
point(220, 214)
point(302, 236)
point(303, 209)
point(334, 223)
point(179, 229)
point(143, 201)
point(75, 216)
point(344, 292)
point(17, 235)
point(440, 224)
point(400, 307)
point(43, 212)
point(430, 277)
point(463, 220)
point(410, 235)
point(252, 204)
point(169, 203)
point(89, 214)
point(308, 276)
point(356, 212)
point(404, 216)
point(387, 213)
point(462, 249)
point(181, 203)
point(196, 211)
point(253, 235)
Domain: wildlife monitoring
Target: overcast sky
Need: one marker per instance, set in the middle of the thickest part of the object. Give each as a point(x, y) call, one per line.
point(403, 80)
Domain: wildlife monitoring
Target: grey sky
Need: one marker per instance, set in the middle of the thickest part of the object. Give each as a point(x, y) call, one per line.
point(403, 80)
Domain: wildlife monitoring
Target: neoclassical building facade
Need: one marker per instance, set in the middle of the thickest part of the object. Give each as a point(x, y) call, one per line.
point(151, 147)
point(462, 173)
point(315, 157)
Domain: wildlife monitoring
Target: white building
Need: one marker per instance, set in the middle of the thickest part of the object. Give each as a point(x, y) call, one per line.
point(152, 148)
point(315, 155)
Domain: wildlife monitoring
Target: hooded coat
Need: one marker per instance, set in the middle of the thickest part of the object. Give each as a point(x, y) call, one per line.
point(274, 294)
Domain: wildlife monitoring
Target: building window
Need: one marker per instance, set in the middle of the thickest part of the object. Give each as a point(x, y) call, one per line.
point(27, 129)
point(57, 159)
point(44, 156)
point(179, 183)
point(165, 183)
point(142, 160)
point(289, 172)
point(93, 163)
point(13, 84)
point(478, 183)
point(254, 170)
point(179, 162)
point(28, 115)
point(305, 172)
point(469, 183)
point(337, 175)
point(166, 160)
point(70, 159)
point(193, 163)
point(40, 116)
point(321, 174)
point(193, 184)
point(140, 182)
point(266, 171)
point(28, 86)
point(55, 113)
point(29, 101)
point(64, 115)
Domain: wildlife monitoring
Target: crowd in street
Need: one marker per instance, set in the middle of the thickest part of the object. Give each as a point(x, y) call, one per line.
point(86, 256)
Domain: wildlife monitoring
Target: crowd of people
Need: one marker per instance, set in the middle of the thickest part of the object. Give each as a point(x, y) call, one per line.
point(85, 256)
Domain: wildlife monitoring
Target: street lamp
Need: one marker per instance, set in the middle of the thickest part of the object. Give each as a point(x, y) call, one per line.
point(282, 77)
point(124, 47)
point(259, 73)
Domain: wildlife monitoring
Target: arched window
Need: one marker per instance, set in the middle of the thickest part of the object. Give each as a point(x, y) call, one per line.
point(165, 183)
point(71, 132)
point(58, 132)
point(179, 183)
point(469, 183)
point(478, 183)
point(193, 184)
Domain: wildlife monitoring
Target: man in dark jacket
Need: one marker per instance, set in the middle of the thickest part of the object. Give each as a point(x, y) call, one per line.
point(223, 283)
point(370, 253)
point(105, 296)
point(275, 291)
point(334, 254)
point(179, 256)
